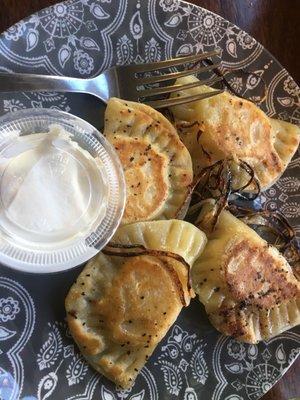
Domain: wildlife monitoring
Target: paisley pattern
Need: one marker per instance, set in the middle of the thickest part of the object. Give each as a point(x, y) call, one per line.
point(182, 361)
point(50, 350)
point(252, 371)
point(38, 359)
point(17, 321)
point(76, 370)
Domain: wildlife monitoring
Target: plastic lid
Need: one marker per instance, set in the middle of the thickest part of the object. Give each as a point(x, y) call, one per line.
point(62, 190)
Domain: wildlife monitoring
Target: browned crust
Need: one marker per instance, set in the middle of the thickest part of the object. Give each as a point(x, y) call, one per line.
point(261, 280)
point(159, 171)
point(115, 249)
point(256, 283)
point(135, 309)
point(234, 141)
point(232, 138)
point(138, 158)
point(118, 320)
point(92, 343)
point(233, 322)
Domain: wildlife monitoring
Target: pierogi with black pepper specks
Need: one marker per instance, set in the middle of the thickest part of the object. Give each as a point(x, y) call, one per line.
point(121, 307)
point(227, 126)
point(247, 287)
point(157, 165)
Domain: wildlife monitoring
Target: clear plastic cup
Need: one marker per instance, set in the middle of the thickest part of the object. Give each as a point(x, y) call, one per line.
point(28, 241)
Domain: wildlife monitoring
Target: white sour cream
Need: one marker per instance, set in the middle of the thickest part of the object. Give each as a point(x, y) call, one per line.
point(50, 189)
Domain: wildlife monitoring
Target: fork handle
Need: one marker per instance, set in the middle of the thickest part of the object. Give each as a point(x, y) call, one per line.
point(12, 82)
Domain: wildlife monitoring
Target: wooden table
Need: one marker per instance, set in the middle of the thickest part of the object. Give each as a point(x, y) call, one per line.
point(274, 23)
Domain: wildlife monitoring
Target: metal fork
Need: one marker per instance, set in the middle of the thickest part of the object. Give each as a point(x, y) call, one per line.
point(124, 82)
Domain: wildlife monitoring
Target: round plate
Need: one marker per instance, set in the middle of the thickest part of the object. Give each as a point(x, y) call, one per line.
point(82, 38)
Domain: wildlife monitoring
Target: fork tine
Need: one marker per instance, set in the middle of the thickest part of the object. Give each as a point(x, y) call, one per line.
point(176, 101)
point(176, 88)
point(176, 75)
point(174, 61)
